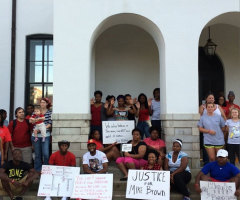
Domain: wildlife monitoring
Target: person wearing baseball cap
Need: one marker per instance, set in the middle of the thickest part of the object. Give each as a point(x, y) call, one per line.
point(63, 157)
point(219, 171)
point(94, 161)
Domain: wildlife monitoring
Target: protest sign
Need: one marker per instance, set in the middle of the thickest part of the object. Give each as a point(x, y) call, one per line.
point(126, 147)
point(148, 184)
point(93, 186)
point(117, 131)
point(217, 190)
point(57, 181)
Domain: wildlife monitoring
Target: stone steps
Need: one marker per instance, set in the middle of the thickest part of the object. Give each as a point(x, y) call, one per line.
point(119, 192)
point(119, 187)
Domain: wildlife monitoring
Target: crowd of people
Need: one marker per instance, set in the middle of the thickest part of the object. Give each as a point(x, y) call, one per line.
point(219, 125)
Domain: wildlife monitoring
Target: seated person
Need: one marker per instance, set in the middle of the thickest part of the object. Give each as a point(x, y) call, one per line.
point(16, 176)
point(110, 150)
point(62, 158)
point(152, 162)
point(135, 159)
point(94, 161)
point(155, 143)
point(219, 171)
point(177, 163)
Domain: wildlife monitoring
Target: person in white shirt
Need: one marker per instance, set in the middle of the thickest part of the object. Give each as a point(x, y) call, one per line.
point(155, 107)
point(94, 161)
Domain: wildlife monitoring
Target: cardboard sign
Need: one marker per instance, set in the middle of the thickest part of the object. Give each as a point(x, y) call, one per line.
point(126, 147)
point(57, 181)
point(117, 131)
point(217, 190)
point(148, 184)
point(93, 186)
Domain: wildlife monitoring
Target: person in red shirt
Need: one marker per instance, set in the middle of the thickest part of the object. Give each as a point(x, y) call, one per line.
point(152, 162)
point(110, 150)
point(98, 112)
point(38, 119)
point(63, 157)
point(21, 136)
point(230, 104)
point(5, 137)
point(143, 114)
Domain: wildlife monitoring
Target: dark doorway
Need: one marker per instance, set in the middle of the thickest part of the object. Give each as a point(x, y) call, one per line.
point(211, 75)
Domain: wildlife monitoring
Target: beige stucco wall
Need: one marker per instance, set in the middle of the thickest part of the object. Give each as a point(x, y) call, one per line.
point(126, 61)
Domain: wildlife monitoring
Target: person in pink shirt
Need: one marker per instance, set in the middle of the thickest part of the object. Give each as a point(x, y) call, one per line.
point(156, 144)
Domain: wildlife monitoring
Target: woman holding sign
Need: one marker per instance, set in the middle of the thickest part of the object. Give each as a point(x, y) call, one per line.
point(134, 159)
point(111, 150)
point(177, 164)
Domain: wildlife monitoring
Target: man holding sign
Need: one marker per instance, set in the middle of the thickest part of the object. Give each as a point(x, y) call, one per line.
point(62, 158)
point(220, 171)
point(94, 161)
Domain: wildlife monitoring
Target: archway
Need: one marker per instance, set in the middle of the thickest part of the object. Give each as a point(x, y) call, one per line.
point(127, 40)
point(219, 73)
point(126, 61)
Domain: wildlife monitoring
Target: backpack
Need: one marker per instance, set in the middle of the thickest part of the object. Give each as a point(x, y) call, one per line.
point(15, 124)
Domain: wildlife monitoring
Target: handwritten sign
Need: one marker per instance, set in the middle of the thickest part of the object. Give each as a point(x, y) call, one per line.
point(126, 147)
point(117, 131)
point(57, 181)
point(217, 190)
point(93, 186)
point(148, 184)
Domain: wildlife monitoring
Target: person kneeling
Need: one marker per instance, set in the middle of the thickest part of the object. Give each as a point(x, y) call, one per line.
point(220, 171)
point(62, 158)
point(94, 161)
point(16, 176)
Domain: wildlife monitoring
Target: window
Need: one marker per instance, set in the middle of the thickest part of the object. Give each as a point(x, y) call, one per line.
point(39, 78)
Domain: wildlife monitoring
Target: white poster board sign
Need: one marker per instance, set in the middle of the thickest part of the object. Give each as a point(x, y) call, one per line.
point(57, 181)
point(217, 190)
point(93, 186)
point(126, 147)
point(117, 131)
point(148, 184)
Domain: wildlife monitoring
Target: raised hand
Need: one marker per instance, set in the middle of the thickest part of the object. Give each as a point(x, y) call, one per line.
point(106, 104)
point(92, 101)
point(134, 100)
point(138, 105)
point(150, 102)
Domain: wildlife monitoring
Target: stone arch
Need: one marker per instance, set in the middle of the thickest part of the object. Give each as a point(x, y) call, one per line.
point(136, 20)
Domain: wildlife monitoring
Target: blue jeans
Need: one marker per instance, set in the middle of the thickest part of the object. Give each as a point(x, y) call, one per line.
point(41, 152)
point(144, 127)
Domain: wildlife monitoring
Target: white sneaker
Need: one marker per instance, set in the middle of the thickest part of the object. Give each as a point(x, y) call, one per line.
point(64, 198)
